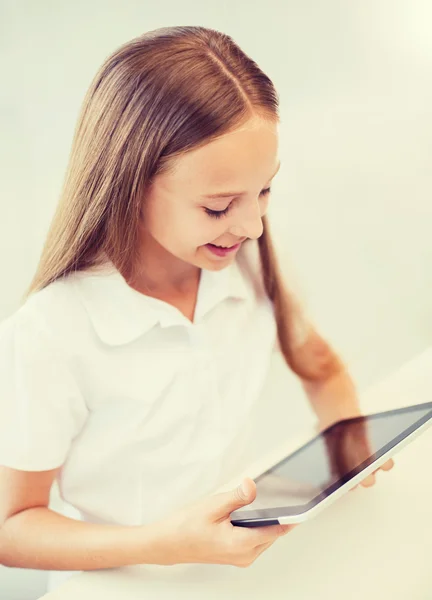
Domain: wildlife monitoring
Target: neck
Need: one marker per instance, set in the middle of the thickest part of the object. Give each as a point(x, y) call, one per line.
point(159, 272)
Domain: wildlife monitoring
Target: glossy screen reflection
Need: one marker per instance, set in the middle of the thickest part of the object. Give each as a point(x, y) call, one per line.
point(310, 471)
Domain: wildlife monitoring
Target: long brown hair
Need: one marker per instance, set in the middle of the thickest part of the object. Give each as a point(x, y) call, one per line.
point(160, 95)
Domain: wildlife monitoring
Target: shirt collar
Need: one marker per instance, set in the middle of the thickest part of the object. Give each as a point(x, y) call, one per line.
point(120, 314)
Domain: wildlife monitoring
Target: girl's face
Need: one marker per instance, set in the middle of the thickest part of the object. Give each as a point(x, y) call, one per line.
point(217, 194)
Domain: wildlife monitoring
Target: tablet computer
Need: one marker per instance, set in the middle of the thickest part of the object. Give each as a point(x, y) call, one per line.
point(330, 464)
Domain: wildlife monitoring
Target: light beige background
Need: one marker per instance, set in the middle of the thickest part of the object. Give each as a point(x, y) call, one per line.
point(351, 206)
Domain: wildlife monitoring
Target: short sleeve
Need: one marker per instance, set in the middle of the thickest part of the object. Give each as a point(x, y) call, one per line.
point(41, 407)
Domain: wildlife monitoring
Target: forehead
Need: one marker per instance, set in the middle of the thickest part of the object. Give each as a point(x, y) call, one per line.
point(232, 160)
point(237, 192)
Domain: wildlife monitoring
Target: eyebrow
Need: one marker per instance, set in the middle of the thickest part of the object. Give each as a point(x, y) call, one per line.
point(229, 194)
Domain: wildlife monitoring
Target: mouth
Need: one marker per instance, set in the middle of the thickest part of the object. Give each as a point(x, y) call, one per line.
point(228, 247)
point(221, 250)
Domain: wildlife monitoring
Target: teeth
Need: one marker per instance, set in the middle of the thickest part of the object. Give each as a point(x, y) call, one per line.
point(224, 247)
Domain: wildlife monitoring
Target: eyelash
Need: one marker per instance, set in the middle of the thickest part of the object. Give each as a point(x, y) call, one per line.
point(217, 214)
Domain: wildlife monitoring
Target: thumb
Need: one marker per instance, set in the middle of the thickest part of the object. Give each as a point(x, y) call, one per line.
point(224, 503)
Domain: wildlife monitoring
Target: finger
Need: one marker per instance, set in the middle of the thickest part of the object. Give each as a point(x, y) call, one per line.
point(286, 529)
point(255, 552)
point(256, 536)
point(368, 481)
point(387, 465)
point(261, 547)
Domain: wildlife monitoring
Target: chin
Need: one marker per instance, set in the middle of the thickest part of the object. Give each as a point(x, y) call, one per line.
point(217, 265)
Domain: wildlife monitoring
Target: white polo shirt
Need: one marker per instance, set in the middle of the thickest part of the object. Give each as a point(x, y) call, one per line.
point(144, 409)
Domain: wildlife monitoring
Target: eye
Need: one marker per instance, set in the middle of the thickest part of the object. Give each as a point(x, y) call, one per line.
point(217, 214)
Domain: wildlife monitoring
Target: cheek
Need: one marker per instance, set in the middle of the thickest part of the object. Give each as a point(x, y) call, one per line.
point(166, 221)
point(210, 229)
point(186, 229)
point(150, 214)
point(265, 204)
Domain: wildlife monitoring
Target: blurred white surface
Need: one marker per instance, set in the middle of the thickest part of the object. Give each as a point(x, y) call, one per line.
point(350, 206)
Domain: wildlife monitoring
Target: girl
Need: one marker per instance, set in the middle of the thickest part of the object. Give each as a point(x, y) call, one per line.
point(145, 337)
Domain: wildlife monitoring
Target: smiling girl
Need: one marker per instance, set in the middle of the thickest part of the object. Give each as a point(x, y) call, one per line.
point(146, 334)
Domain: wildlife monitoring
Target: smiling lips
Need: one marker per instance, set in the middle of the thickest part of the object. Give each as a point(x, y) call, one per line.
point(227, 247)
point(218, 251)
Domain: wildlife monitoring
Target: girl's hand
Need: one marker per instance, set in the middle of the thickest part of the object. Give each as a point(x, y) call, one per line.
point(202, 532)
point(348, 447)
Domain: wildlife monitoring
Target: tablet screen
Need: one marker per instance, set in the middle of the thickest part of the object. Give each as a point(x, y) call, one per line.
point(318, 468)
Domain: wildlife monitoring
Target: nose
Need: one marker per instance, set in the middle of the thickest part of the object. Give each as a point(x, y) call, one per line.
point(249, 222)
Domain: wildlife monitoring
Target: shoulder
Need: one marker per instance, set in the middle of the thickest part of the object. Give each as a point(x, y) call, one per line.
point(53, 313)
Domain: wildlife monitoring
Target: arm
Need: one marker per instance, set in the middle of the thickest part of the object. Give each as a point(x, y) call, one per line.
point(39, 538)
point(332, 395)
point(34, 537)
